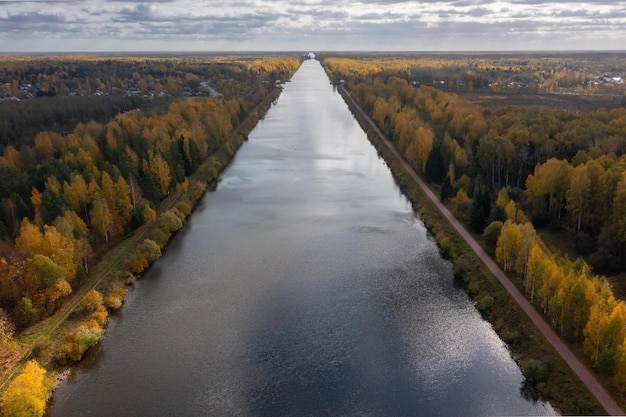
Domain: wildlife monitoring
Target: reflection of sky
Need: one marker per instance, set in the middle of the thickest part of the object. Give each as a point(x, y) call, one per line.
point(183, 25)
point(286, 294)
point(451, 349)
point(332, 159)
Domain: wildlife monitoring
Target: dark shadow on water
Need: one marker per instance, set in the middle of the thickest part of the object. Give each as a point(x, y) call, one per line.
point(529, 391)
point(315, 358)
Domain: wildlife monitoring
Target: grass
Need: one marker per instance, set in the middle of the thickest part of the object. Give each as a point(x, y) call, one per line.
point(618, 285)
point(558, 241)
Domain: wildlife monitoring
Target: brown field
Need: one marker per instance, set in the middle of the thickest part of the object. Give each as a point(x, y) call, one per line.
point(570, 102)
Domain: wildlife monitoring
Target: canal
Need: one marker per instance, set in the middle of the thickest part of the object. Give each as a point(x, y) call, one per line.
point(303, 286)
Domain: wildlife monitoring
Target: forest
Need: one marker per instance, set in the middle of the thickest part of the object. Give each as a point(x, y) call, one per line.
point(70, 193)
point(52, 92)
point(512, 171)
point(92, 147)
point(589, 74)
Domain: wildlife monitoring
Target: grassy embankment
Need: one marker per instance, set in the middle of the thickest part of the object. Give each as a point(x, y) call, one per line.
point(562, 388)
point(113, 271)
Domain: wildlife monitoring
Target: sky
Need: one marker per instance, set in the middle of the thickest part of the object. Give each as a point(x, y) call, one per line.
point(310, 25)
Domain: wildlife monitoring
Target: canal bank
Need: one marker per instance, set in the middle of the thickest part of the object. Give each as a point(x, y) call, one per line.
point(570, 386)
point(304, 285)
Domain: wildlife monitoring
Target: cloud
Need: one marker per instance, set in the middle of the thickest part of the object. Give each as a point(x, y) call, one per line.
point(104, 25)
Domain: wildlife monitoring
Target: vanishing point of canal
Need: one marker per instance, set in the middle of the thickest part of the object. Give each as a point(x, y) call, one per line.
point(303, 286)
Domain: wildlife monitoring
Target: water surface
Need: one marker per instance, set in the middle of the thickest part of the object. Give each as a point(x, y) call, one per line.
point(303, 286)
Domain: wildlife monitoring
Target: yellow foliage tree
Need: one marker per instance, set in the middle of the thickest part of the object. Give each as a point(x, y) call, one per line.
point(619, 379)
point(461, 203)
point(160, 171)
point(507, 247)
point(26, 395)
point(31, 241)
point(537, 260)
point(528, 237)
point(117, 196)
point(599, 316)
point(101, 217)
point(76, 192)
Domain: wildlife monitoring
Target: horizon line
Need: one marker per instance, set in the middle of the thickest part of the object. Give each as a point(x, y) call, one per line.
point(306, 51)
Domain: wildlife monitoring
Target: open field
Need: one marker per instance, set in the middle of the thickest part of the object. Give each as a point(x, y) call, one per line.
point(569, 102)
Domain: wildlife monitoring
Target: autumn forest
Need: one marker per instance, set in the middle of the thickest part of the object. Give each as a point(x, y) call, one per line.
point(103, 152)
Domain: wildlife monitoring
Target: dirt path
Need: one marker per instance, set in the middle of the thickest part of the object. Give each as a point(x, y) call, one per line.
point(577, 366)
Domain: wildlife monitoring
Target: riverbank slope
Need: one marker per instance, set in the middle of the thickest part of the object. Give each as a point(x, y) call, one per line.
point(114, 270)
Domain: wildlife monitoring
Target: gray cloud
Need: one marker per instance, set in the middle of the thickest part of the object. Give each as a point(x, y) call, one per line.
point(104, 25)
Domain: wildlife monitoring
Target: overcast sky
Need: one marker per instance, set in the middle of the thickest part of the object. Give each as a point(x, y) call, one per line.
point(310, 25)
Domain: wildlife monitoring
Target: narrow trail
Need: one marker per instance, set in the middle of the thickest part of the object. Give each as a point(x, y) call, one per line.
point(590, 381)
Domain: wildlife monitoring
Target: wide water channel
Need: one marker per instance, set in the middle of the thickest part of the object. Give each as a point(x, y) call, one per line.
point(303, 286)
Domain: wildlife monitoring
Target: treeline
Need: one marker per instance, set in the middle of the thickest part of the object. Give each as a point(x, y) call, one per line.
point(66, 197)
point(508, 171)
point(57, 92)
point(64, 75)
point(564, 169)
point(21, 121)
point(581, 73)
point(579, 304)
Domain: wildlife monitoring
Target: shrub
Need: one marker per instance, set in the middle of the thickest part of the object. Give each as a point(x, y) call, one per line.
point(474, 287)
point(87, 335)
point(535, 371)
point(484, 303)
point(491, 235)
point(138, 263)
point(462, 268)
point(184, 208)
point(115, 300)
point(158, 236)
point(511, 337)
point(446, 247)
point(25, 312)
point(169, 222)
point(92, 301)
point(209, 172)
point(148, 252)
point(100, 316)
point(63, 353)
point(150, 249)
point(59, 290)
point(197, 190)
point(148, 213)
